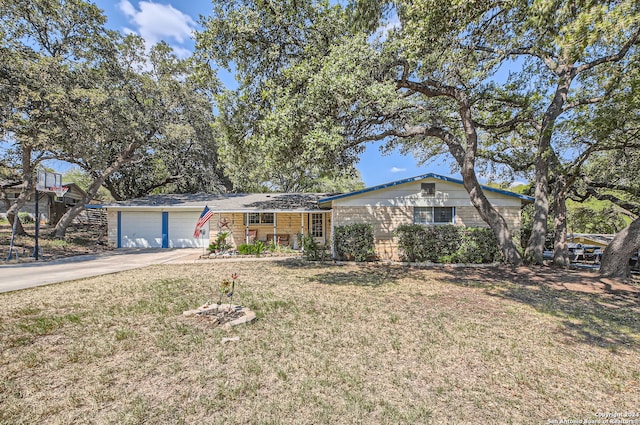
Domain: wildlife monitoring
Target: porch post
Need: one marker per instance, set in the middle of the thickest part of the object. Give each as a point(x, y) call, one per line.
point(246, 228)
point(333, 248)
point(275, 230)
point(301, 231)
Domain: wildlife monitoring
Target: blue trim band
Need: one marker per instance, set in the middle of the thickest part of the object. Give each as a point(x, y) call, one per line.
point(165, 229)
point(119, 243)
point(422, 177)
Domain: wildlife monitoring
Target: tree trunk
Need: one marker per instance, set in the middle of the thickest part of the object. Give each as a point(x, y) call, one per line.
point(535, 246)
point(28, 186)
point(123, 158)
point(66, 220)
point(560, 251)
point(466, 159)
point(18, 226)
point(615, 260)
point(492, 218)
point(545, 156)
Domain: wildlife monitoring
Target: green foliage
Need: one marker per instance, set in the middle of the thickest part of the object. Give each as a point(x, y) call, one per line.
point(256, 248)
point(311, 249)
point(354, 242)
point(585, 219)
point(447, 244)
point(26, 218)
point(220, 244)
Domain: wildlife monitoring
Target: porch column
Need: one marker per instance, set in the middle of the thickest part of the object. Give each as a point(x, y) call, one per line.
point(246, 228)
point(333, 248)
point(301, 231)
point(275, 230)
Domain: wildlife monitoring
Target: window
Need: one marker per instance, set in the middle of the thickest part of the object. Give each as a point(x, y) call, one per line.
point(429, 189)
point(433, 215)
point(260, 218)
point(254, 218)
point(317, 225)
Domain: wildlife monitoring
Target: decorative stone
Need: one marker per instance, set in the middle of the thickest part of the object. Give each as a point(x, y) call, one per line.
point(226, 315)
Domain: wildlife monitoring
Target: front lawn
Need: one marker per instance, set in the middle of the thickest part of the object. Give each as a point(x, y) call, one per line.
point(333, 344)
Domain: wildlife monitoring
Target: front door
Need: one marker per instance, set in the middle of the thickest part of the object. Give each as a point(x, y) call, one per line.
point(316, 227)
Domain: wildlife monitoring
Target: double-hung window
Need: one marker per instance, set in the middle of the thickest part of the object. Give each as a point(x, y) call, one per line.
point(259, 218)
point(434, 215)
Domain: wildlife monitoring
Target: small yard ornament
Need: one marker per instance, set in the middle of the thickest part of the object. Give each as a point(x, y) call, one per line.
point(227, 287)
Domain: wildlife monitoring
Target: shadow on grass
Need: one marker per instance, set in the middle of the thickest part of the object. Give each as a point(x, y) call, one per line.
point(592, 310)
point(341, 274)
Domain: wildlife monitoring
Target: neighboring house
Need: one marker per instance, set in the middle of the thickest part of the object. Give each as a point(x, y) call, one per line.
point(168, 221)
point(50, 206)
point(590, 239)
point(429, 199)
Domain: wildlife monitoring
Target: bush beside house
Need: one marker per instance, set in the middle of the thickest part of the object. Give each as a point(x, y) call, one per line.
point(447, 244)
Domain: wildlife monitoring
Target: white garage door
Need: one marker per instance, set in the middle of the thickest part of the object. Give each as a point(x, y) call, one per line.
point(141, 229)
point(181, 227)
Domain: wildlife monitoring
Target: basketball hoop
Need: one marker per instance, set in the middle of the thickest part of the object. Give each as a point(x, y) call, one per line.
point(60, 191)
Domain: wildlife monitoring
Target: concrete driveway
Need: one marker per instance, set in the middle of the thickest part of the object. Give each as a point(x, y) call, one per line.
point(28, 275)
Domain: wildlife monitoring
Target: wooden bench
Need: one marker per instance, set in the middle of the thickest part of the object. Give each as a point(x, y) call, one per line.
point(280, 239)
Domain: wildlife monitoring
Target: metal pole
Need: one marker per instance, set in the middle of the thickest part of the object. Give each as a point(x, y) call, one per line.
point(36, 246)
point(13, 236)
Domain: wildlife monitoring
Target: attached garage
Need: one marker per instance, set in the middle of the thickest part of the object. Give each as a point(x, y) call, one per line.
point(155, 229)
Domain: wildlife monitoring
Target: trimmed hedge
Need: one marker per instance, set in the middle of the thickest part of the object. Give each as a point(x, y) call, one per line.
point(447, 244)
point(354, 242)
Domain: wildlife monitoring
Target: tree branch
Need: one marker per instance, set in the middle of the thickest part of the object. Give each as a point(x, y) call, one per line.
point(610, 58)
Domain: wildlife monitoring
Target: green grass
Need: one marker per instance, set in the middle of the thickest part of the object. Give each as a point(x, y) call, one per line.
point(333, 344)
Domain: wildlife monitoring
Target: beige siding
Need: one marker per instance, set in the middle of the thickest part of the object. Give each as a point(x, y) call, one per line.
point(469, 216)
point(385, 221)
point(112, 227)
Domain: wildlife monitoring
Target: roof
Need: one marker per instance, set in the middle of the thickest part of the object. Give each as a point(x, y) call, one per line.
point(422, 177)
point(232, 202)
point(604, 239)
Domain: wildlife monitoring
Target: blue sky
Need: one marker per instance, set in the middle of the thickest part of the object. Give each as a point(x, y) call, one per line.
point(174, 21)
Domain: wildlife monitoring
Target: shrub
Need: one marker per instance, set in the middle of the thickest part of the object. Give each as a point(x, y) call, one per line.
point(311, 249)
point(354, 242)
point(26, 218)
point(416, 243)
point(256, 248)
point(245, 249)
point(221, 243)
point(447, 244)
point(479, 245)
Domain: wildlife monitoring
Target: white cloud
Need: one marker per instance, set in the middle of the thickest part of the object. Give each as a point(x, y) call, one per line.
point(156, 22)
point(397, 170)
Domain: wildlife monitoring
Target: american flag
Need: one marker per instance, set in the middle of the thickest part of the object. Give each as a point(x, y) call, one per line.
point(204, 217)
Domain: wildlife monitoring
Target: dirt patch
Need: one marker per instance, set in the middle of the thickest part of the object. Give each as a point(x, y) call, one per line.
point(554, 278)
point(80, 240)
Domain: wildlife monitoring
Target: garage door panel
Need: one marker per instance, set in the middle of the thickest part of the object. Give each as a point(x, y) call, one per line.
point(141, 230)
point(181, 227)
